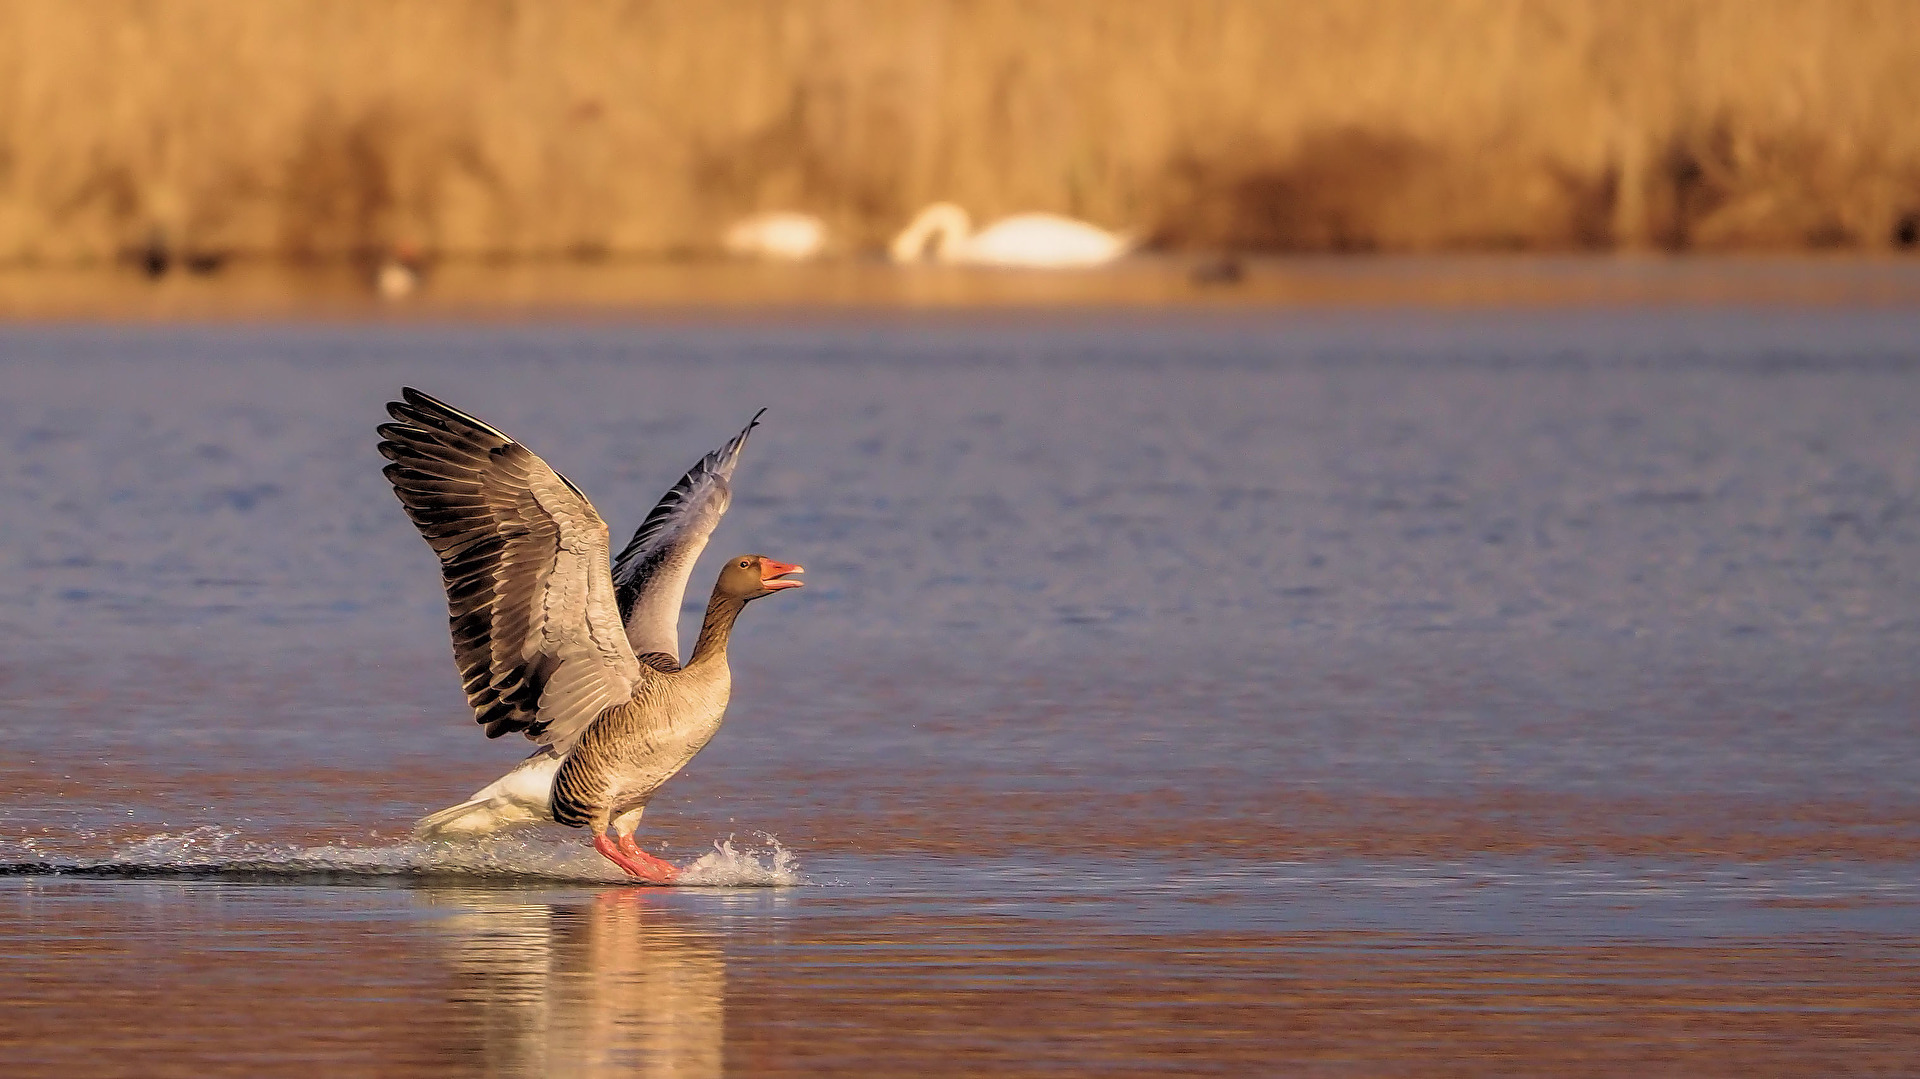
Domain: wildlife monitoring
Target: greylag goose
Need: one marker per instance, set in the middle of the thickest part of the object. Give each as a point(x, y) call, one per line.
point(583, 660)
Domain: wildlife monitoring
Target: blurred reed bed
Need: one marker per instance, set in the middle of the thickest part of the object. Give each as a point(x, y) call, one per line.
point(323, 129)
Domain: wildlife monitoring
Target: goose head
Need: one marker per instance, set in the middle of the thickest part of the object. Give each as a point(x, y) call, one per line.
point(751, 576)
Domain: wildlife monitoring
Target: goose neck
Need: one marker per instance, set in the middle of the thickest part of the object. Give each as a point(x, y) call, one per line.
point(722, 611)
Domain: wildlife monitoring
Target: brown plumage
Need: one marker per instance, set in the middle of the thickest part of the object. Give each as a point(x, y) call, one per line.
point(545, 641)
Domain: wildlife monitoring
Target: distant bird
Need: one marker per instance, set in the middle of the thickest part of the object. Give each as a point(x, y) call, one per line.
point(202, 263)
point(398, 275)
point(155, 256)
point(1219, 270)
point(584, 661)
point(781, 236)
point(395, 280)
point(1906, 231)
point(1035, 239)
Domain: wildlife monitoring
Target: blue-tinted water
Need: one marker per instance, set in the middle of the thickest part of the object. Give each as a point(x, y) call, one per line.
point(1489, 650)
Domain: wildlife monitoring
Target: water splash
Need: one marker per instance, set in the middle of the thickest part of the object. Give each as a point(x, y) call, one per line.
point(729, 867)
point(212, 851)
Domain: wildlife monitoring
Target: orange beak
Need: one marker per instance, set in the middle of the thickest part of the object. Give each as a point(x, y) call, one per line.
point(771, 572)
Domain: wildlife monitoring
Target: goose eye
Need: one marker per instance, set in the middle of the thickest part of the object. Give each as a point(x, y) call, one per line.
point(744, 563)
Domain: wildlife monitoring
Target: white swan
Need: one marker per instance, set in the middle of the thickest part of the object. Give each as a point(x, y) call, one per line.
point(781, 235)
point(1042, 240)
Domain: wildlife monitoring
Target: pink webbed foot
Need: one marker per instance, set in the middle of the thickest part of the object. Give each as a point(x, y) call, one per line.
point(632, 850)
point(638, 863)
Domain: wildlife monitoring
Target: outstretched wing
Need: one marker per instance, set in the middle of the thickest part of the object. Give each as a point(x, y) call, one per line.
point(650, 576)
point(535, 630)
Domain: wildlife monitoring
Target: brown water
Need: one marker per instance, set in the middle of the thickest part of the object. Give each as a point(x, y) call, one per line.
point(1389, 692)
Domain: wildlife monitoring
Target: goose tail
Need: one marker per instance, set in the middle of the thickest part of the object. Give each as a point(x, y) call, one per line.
point(522, 796)
point(476, 818)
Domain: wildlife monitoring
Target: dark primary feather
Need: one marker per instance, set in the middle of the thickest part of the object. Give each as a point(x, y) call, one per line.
point(535, 631)
point(652, 571)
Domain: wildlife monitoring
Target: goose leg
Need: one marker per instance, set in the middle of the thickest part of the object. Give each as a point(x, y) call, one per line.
point(645, 868)
point(623, 827)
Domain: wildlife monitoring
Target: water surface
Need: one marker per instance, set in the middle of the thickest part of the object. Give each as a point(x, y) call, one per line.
point(1395, 691)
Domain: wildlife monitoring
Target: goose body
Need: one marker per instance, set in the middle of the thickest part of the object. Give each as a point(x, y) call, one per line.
point(551, 642)
point(945, 231)
point(621, 759)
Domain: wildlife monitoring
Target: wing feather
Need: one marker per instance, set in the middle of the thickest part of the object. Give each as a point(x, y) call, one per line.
point(536, 630)
point(650, 576)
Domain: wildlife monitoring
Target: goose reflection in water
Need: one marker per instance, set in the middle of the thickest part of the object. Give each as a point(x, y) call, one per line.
point(612, 985)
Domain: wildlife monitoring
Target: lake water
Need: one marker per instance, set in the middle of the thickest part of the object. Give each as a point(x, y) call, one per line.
point(1387, 691)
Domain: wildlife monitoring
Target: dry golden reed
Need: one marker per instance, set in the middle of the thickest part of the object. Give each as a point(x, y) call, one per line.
point(323, 128)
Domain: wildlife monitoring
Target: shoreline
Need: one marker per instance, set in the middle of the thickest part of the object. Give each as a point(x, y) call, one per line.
point(491, 290)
